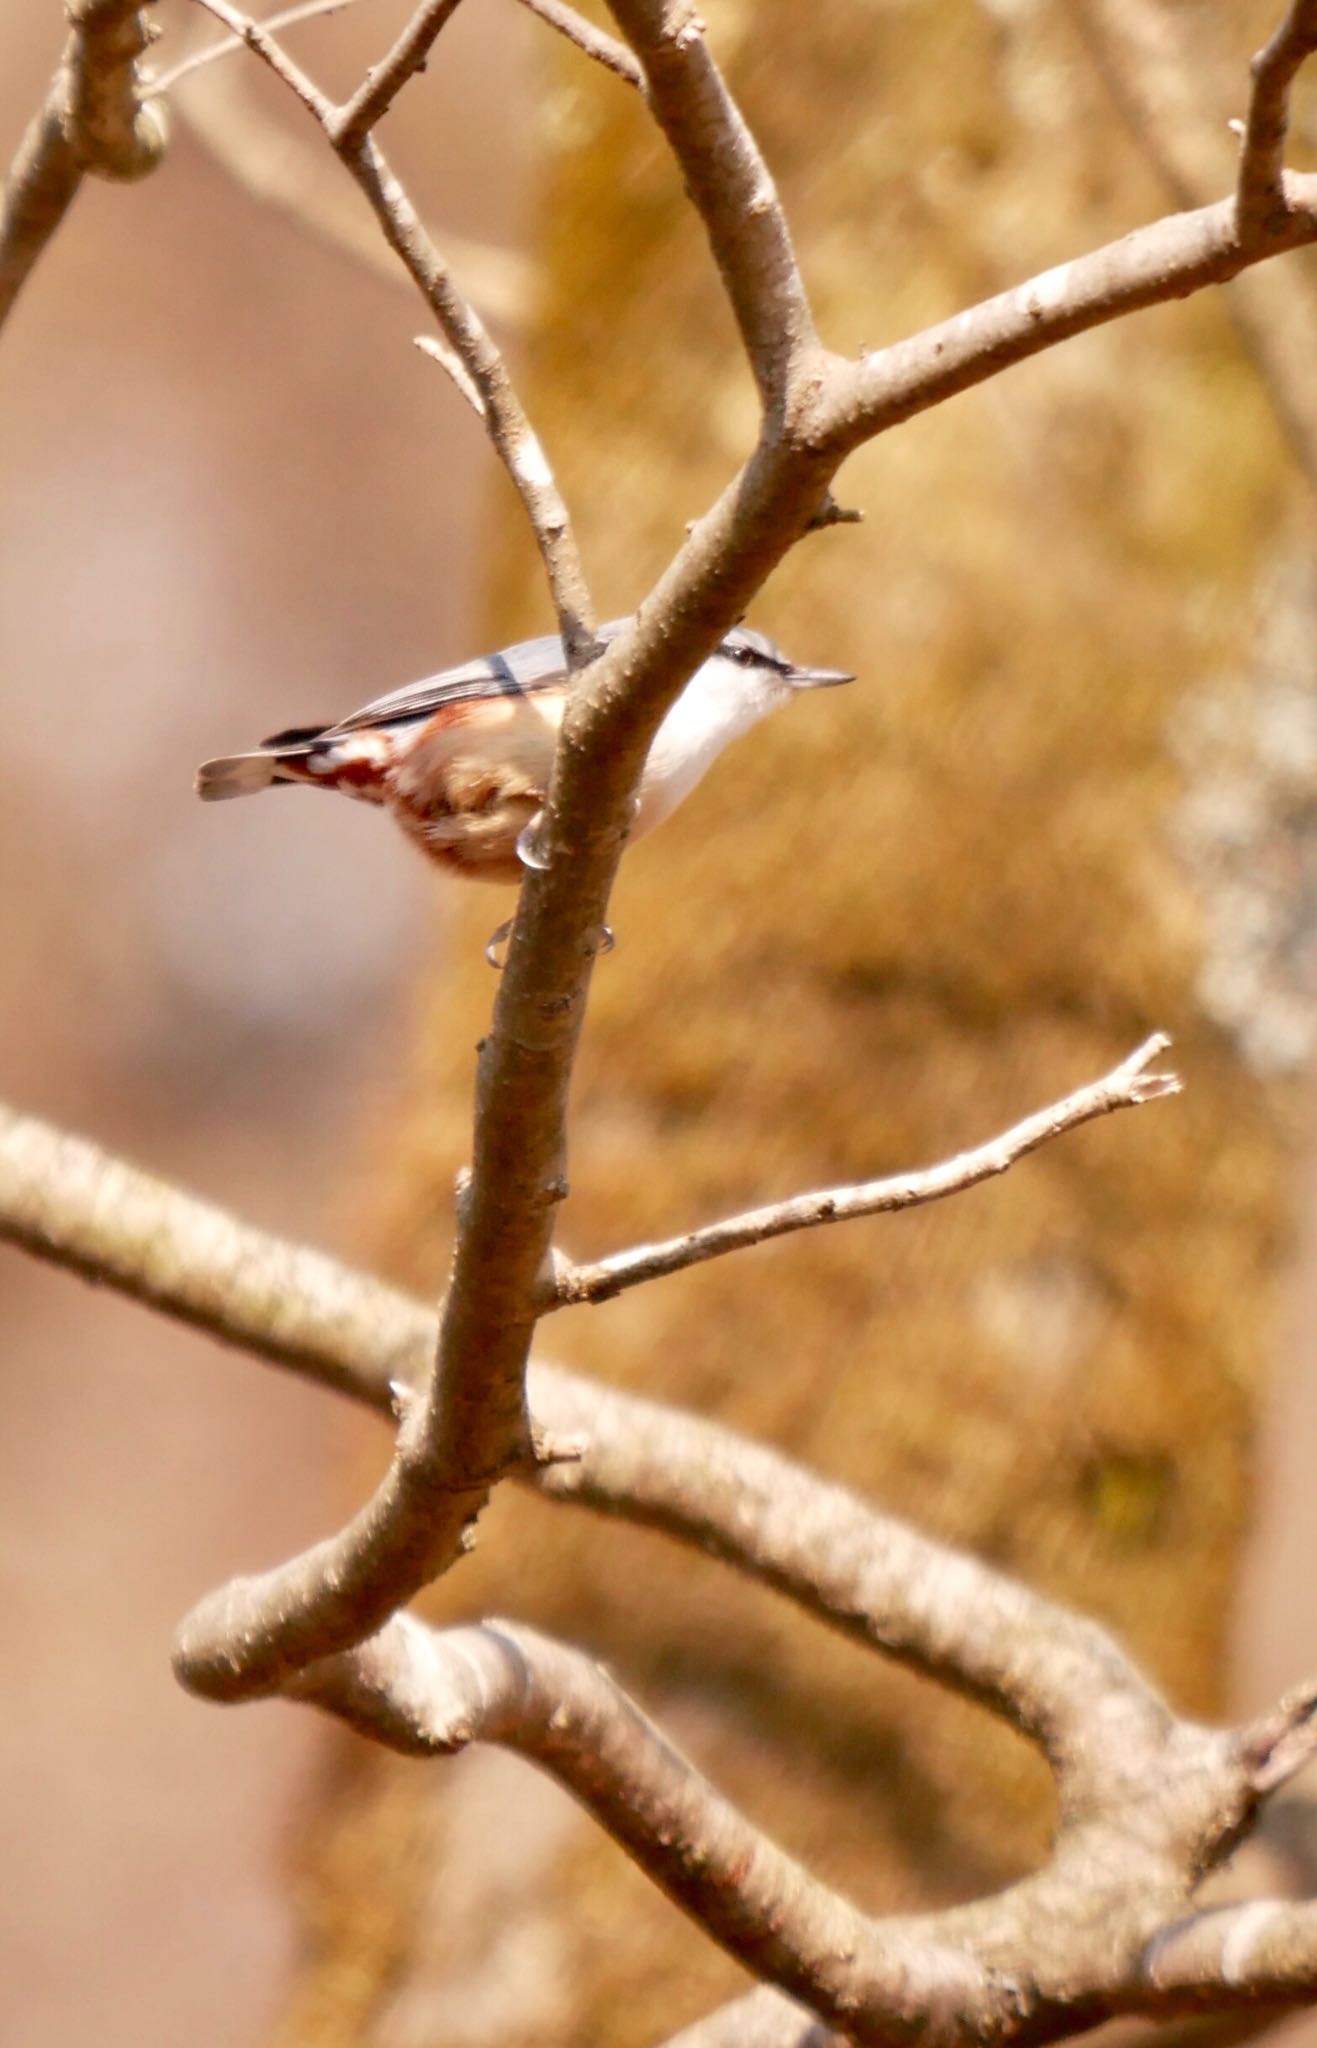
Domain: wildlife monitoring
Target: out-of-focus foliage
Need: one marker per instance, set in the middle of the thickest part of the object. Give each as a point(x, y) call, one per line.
point(892, 920)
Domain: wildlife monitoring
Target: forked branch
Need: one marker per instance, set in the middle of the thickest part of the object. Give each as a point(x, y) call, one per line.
point(1262, 201)
point(1105, 1928)
point(1125, 1767)
point(1147, 1801)
point(481, 361)
point(472, 1425)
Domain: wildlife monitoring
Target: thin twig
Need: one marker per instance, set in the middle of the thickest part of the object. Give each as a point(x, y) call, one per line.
point(384, 81)
point(1127, 1086)
point(285, 169)
point(257, 37)
point(288, 17)
point(927, 1606)
point(595, 42)
point(1261, 202)
point(452, 367)
point(506, 422)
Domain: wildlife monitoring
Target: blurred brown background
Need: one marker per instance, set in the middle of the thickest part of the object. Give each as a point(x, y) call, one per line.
point(1074, 785)
point(232, 497)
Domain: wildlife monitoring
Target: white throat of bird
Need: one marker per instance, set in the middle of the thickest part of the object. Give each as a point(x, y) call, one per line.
point(723, 699)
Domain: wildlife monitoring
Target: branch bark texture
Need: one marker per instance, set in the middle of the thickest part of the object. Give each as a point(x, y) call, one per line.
point(95, 118)
point(1146, 1801)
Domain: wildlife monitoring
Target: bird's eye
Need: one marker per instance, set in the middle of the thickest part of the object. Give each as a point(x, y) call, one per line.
point(744, 655)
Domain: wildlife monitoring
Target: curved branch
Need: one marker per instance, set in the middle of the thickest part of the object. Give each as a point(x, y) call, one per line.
point(731, 187)
point(506, 423)
point(763, 2018)
point(95, 119)
point(1099, 1931)
point(1150, 57)
point(424, 1691)
point(1146, 1801)
point(1261, 200)
point(1127, 1086)
point(288, 17)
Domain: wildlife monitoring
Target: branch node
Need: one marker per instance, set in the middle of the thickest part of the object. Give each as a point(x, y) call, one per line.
point(830, 513)
point(556, 1447)
point(403, 1398)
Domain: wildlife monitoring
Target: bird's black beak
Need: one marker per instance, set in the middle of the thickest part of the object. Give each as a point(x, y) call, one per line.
point(818, 678)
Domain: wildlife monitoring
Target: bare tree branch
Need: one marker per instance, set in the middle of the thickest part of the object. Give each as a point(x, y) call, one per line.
point(68, 1202)
point(926, 1606)
point(1152, 60)
point(383, 82)
point(1099, 1931)
point(1170, 259)
point(732, 188)
point(506, 423)
point(94, 119)
point(424, 1691)
point(1147, 1801)
point(946, 1616)
point(605, 49)
point(1128, 1772)
point(1262, 201)
point(1127, 1086)
point(164, 82)
point(475, 1427)
point(284, 169)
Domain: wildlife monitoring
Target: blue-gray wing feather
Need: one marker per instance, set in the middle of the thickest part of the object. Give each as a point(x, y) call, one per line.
point(515, 672)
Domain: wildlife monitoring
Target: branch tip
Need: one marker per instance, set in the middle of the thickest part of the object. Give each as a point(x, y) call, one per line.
point(1274, 1748)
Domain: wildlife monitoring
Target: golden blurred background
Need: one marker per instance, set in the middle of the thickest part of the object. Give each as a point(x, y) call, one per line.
point(1070, 799)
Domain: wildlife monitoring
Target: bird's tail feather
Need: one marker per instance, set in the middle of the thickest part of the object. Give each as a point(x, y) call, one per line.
point(244, 774)
point(235, 775)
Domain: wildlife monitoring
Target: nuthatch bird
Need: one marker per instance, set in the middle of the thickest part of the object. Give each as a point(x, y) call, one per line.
point(463, 758)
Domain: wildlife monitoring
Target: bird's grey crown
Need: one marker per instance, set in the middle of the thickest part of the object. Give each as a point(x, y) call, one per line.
point(518, 671)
